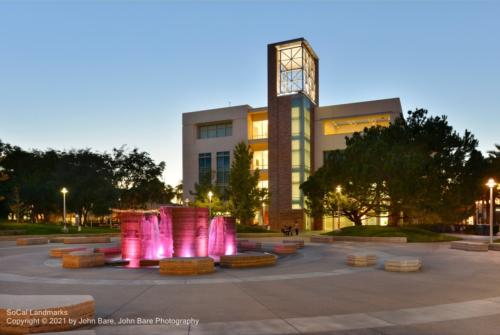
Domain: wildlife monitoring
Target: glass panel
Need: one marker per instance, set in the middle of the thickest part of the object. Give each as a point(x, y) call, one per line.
point(204, 168)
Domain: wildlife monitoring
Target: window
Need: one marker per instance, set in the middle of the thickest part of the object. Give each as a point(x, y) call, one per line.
point(301, 147)
point(215, 130)
point(296, 71)
point(223, 168)
point(259, 160)
point(263, 184)
point(259, 129)
point(204, 168)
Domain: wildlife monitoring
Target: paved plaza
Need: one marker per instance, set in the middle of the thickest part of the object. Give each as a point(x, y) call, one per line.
point(311, 292)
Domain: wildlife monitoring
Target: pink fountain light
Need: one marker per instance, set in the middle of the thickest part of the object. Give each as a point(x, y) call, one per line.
point(174, 232)
point(221, 237)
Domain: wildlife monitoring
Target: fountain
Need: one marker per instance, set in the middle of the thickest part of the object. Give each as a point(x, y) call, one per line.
point(174, 232)
point(221, 237)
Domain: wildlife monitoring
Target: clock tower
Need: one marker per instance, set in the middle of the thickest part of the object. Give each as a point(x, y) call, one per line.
point(292, 93)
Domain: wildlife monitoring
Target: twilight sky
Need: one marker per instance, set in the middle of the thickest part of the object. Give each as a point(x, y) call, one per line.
point(100, 74)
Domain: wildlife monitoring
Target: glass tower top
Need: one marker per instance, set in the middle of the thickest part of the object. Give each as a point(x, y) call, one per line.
point(296, 70)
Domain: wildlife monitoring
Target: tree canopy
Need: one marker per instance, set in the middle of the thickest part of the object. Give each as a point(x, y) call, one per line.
point(30, 181)
point(419, 167)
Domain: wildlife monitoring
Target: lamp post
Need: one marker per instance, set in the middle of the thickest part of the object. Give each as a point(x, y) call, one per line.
point(210, 195)
point(338, 189)
point(64, 191)
point(491, 184)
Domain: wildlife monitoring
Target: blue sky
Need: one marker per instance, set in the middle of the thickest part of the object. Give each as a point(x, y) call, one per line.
point(100, 74)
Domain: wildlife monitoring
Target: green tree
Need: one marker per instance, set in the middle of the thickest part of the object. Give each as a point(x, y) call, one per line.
point(137, 178)
point(244, 195)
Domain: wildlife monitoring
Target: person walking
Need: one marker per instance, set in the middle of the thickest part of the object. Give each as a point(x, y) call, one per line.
point(296, 228)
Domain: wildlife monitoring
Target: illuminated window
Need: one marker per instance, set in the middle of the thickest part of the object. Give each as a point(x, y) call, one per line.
point(296, 70)
point(260, 160)
point(263, 184)
point(301, 147)
point(354, 124)
point(215, 130)
point(259, 129)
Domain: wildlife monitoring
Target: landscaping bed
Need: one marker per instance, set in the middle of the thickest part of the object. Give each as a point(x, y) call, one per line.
point(412, 233)
point(49, 229)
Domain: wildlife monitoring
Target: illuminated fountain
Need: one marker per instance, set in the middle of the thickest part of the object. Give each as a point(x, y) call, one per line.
point(222, 237)
point(174, 232)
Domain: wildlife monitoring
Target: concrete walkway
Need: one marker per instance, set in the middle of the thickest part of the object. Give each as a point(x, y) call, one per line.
point(312, 292)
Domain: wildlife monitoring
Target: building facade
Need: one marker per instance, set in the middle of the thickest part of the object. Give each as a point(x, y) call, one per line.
point(290, 137)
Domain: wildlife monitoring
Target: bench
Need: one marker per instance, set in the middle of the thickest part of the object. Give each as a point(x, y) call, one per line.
point(403, 264)
point(109, 250)
point(83, 259)
point(59, 252)
point(74, 307)
point(361, 259)
point(298, 243)
point(247, 260)
point(250, 246)
point(285, 249)
point(186, 266)
point(321, 239)
point(32, 240)
point(494, 246)
point(88, 239)
point(469, 246)
point(57, 239)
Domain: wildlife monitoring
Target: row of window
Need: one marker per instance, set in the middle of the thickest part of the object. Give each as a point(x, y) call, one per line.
point(215, 130)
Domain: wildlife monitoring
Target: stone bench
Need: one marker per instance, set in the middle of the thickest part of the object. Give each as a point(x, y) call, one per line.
point(74, 307)
point(469, 246)
point(59, 252)
point(32, 240)
point(403, 264)
point(149, 262)
point(285, 249)
point(186, 266)
point(298, 243)
point(361, 260)
point(109, 250)
point(57, 239)
point(250, 246)
point(83, 259)
point(88, 239)
point(247, 260)
point(321, 239)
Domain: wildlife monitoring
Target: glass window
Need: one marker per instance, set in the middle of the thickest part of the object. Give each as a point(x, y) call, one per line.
point(204, 168)
point(259, 129)
point(260, 160)
point(223, 168)
point(215, 130)
point(262, 184)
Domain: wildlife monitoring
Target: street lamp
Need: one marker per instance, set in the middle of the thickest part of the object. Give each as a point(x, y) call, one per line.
point(338, 189)
point(491, 184)
point(210, 195)
point(64, 191)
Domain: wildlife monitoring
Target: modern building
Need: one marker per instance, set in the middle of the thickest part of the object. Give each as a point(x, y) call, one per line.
point(289, 137)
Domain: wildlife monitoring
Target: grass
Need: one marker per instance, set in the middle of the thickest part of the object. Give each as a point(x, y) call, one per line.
point(7, 228)
point(412, 233)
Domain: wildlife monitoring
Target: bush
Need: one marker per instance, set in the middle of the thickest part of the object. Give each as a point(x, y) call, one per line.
point(252, 229)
